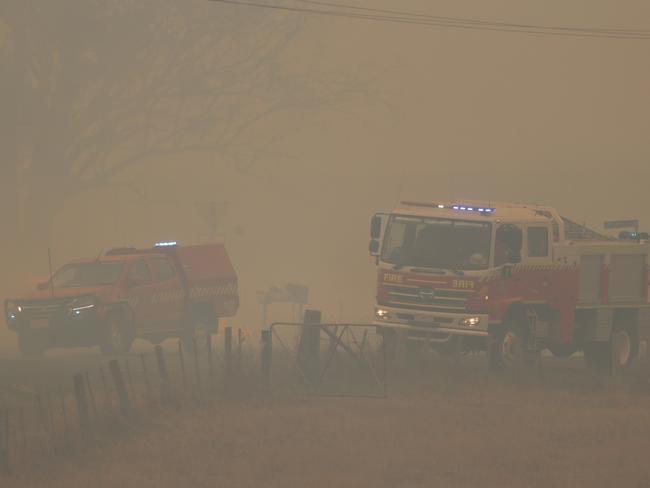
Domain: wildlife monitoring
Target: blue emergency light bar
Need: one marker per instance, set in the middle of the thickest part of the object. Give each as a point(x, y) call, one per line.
point(459, 207)
point(471, 208)
point(633, 236)
point(166, 244)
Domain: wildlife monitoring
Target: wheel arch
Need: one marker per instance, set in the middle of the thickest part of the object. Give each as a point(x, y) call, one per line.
point(122, 309)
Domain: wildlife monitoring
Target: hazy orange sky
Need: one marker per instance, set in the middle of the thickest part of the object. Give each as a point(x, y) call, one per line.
point(443, 113)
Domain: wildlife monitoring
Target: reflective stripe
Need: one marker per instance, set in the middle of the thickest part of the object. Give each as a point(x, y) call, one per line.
point(212, 291)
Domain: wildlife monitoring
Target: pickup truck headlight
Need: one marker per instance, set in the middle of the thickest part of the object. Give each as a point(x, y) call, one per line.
point(82, 305)
point(12, 310)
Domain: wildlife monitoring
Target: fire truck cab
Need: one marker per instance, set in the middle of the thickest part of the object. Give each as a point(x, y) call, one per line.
point(512, 280)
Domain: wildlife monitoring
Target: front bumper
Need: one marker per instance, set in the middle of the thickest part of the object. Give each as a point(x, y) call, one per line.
point(432, 325)
point(62, 331)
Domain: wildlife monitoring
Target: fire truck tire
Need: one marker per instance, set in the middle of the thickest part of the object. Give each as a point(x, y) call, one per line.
point(29, 346)
point(620, 352)
point(117, 336)
point(624, 346)
point(507, 348)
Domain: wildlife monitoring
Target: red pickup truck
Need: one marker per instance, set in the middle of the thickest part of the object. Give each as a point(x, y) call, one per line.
point(165, 291)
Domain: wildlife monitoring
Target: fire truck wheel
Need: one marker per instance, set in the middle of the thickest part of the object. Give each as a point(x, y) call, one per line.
point(620, 352)
point(506, 348)
point(29, 346)
point(117, 337)
point(624, 347)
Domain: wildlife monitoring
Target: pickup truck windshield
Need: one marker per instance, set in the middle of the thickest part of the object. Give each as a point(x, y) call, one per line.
point(437, 243)
point(88, 274)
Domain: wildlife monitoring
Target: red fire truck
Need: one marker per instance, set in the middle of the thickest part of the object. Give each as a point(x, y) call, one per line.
point(165, 291)
point(511, 280)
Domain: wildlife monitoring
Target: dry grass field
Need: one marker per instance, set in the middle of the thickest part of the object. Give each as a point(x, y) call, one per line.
point(448, 428)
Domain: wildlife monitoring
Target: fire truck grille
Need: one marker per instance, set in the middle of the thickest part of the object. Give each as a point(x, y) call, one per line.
point(427, 299)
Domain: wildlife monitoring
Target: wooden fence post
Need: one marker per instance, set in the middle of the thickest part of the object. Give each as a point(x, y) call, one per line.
point(50, 413)
point(40, 411)
point(82, 406)
point(309, 347)
point(108, 404)
point(5, 461)
point(181, 359)
point(165, 384)
point(91, 394)
point(227, 357)
point(120, 387)
point(23, 428)
point(240, 343)
point(210, 362)
point(129, 379)
point(197, 369)
point(145, 373)
point(64, 411)
point(266, 354)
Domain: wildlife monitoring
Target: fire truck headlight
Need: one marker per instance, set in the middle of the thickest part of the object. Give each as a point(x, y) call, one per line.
point(381, 314)
point(471, 321)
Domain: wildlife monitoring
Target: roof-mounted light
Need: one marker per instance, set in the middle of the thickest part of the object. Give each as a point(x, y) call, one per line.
point(467, 208)
point(166, 244)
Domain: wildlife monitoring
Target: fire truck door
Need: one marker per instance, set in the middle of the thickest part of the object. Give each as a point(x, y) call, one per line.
point(537, 244)
point(140, 294)
point(168, 296)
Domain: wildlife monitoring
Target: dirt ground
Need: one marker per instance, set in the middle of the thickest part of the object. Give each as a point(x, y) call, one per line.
point(450, 429)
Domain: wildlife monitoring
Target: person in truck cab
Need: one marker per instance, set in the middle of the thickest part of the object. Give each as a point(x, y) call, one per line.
point(507, 248)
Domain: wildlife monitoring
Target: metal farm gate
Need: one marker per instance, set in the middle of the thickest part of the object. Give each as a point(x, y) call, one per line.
point(331, 359)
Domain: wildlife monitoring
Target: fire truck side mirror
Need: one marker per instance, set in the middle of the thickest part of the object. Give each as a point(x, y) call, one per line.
point(375, 227)
point(373, 247)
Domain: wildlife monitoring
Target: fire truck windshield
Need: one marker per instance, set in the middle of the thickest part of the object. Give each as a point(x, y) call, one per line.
point(88, 274)
point(437, 243)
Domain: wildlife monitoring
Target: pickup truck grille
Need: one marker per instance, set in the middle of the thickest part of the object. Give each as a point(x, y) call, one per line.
point(427, 299)
point(43, 309)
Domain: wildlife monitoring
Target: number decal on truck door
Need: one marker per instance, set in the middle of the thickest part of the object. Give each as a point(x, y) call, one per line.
point(463, 284)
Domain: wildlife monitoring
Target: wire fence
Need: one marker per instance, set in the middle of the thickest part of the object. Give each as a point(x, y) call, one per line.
point(121, 395)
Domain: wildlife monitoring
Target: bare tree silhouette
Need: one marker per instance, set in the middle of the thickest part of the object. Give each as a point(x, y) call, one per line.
point(92, 87)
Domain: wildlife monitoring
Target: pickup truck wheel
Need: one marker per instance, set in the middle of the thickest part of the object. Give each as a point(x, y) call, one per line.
point(29, 346)
point(196, 337)
point(117, 337)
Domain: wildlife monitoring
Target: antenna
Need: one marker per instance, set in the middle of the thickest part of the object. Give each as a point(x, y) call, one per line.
point(49, 260)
